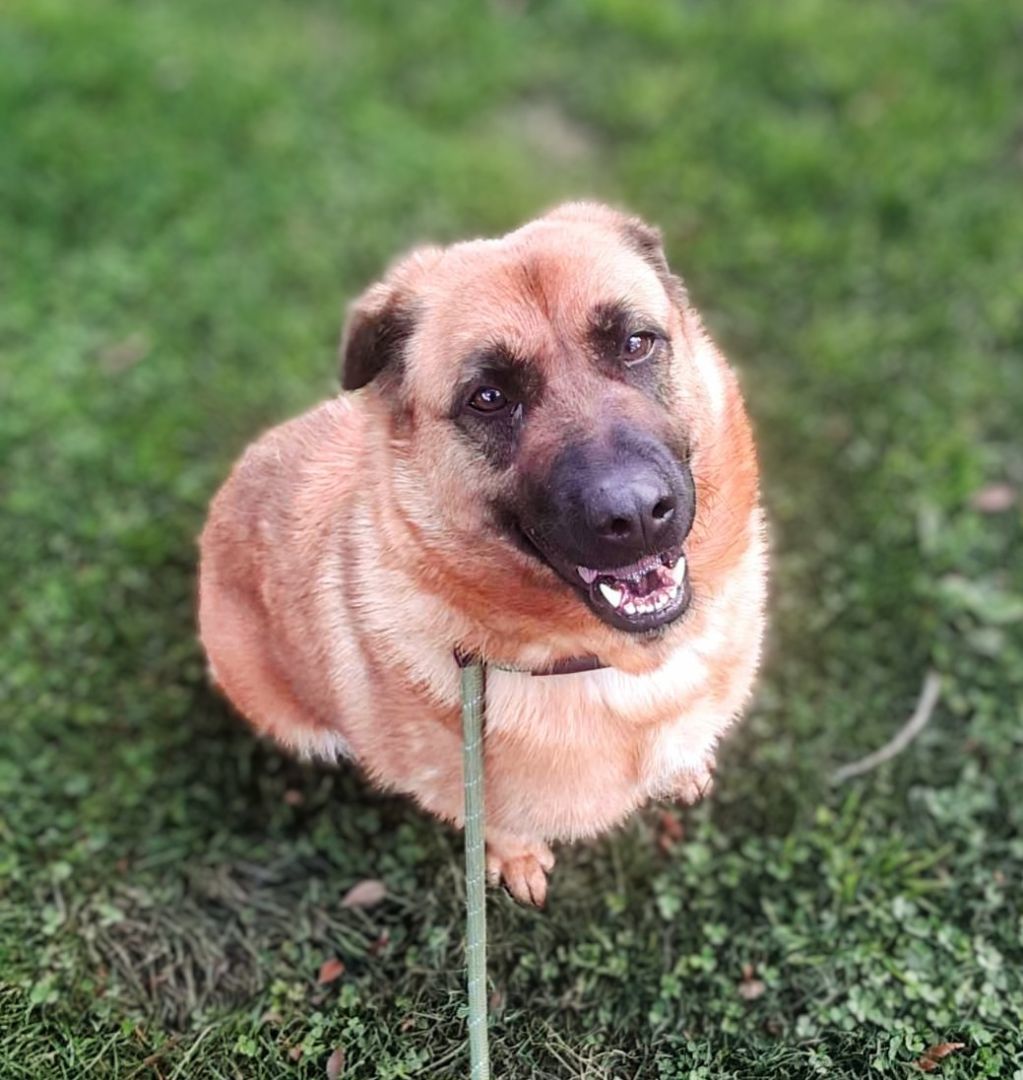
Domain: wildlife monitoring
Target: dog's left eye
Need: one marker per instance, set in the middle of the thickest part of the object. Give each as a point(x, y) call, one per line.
point(638, 347)
point(488, 399)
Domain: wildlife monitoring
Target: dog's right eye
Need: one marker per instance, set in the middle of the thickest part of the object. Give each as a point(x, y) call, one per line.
point(488, 399)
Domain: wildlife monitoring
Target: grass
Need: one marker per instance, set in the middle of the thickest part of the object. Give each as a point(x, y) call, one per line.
point(188, 191)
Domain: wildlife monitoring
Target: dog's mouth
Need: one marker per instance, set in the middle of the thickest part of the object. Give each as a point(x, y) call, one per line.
point(646, 594)
point(642, 596)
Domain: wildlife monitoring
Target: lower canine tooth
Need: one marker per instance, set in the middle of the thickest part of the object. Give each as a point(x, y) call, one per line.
point(612, 596)
point(678, 571)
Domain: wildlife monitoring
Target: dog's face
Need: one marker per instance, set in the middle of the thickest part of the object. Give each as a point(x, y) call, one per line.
point(543, 408)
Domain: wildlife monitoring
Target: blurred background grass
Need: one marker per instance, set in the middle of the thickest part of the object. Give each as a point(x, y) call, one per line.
point(188, 193)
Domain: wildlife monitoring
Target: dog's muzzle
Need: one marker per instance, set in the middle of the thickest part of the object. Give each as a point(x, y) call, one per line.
point(612, 520)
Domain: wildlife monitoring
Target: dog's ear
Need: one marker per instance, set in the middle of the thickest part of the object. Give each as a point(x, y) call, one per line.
point(648, 242)
point(374, 337)
point(381, 321)
point(634, 232)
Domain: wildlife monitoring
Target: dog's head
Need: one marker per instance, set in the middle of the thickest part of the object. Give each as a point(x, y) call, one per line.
point(547, 398)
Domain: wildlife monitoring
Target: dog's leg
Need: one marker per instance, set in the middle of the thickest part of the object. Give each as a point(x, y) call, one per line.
point(244, 668)
point(520, 864)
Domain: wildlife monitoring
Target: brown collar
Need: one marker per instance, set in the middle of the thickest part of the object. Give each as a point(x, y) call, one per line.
point(571, 665)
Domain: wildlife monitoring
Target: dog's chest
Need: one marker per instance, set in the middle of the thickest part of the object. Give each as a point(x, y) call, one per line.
point(583, 750)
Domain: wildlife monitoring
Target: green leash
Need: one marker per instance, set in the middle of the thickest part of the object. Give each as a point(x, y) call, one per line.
point(473, 719)
point(473, 709)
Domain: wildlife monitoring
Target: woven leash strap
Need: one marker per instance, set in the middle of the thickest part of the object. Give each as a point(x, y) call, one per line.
point(473, 707)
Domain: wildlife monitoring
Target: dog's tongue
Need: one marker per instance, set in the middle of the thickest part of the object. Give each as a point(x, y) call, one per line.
point(646, 588)
point(653, 579)
point(642, 587)
point(636, 586)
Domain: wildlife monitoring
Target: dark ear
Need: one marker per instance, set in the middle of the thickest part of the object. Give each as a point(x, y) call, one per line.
point(382, 320)
point(645, 240)
point(374, 339)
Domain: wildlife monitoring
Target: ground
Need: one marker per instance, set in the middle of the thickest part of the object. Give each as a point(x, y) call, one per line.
point(189, 191)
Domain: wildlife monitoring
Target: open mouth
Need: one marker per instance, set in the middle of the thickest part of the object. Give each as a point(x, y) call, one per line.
point(642, 596)
point(639, 597)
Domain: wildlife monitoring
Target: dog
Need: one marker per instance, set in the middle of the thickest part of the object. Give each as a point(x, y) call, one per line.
point(540, 459)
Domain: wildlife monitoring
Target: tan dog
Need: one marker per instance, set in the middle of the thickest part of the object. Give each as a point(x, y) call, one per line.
point(545, 458)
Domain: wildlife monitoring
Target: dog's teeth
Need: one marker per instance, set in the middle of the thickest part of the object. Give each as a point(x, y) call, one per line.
point(612, 596)
point(587, 574)
point(678, 571)
point(630, 608)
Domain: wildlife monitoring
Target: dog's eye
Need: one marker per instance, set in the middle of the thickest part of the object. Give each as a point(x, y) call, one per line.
point(638, 347)
point(488, 399)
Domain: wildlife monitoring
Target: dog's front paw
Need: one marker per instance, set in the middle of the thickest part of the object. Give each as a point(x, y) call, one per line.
point(695, 784)
point(520, 865)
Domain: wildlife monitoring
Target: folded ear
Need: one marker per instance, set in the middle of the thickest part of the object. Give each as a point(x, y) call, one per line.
point(648, 242)
point(374, 337)
point(381, 321)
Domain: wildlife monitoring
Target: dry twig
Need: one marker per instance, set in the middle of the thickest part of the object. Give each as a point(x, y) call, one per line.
point(902, 738)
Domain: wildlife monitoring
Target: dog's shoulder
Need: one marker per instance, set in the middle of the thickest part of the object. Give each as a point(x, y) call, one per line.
point(305, 462)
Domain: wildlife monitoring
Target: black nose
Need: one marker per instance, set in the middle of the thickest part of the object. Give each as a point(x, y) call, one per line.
point(630, 509)
point(611, 503)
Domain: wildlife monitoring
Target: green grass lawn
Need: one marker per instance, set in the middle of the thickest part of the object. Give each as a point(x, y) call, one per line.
point(188, 193)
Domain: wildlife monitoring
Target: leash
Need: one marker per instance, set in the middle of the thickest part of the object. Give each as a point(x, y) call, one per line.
point(474, 700)
point(473, 709)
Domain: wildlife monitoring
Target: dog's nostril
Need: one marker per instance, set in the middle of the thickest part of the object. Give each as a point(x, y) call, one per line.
point(619, 526)
point(663, 510)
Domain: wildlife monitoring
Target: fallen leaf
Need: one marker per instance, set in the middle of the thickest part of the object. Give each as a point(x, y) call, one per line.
point(993, 498)
point(293, 797)
point(330, 970)
point(381, 943)
point(295, 1053)
point(929, 1059)
point(335, 1063)
point(750, 988)
point(365, 894)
